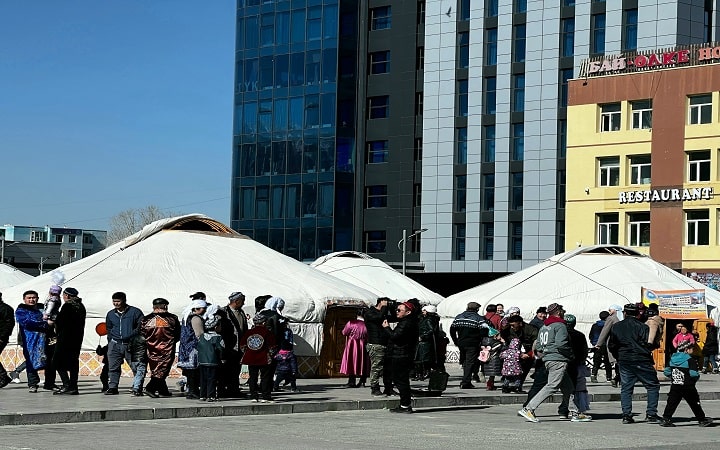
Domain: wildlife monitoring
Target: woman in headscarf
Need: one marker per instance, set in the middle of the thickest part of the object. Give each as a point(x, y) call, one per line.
point(426, 357)
point(512, 311)
point(191, 328)
point(355, 359)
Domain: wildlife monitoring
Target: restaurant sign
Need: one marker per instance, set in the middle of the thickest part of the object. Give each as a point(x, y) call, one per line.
point(649, 60)
point(666, 195)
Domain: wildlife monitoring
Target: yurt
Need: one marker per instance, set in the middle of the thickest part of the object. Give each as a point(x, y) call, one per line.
point(10, 276)
point(375, 276)
point(173, 258)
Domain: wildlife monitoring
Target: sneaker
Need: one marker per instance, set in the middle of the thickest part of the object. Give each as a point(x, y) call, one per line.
point(112, 391)
point(33, 389)
point(476, 378)
point(402, 410)
point(137, 393)
point(528, 415)
point(614, 383)
point(706, 422)
point(376, 393)
point(203, 399)
point(580, 417)
point(667, 423)
point(467, 386)
point(593, 379)
point(390, 393)
point(266, 400)
point(653, 418)
point(15, 377)
point(628, 420)
point(254, 400)
point(294, 390)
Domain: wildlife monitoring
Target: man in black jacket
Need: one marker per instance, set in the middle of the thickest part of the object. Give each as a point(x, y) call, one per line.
point(377, 345)
point(7, 323)
point(403, 340)
point(466, 331)
point(629, 345)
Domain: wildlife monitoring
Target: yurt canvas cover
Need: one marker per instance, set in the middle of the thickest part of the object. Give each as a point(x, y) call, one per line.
point(10, 276)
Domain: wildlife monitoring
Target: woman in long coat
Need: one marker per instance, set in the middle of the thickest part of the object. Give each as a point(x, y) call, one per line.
point(355, 359)
point(426, 357)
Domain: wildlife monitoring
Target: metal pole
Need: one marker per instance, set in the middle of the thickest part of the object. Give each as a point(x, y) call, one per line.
point(404, 244)
point(2, 253)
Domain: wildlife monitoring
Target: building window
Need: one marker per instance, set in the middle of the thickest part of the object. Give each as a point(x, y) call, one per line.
point(38, 236)
point(518, 141)
point(488, 143)
point(463, 10)
point(515, 240)
point(375, 242)
point(610, 117)
point(262, 202)
point(491, 37)
point(380, 62)
point(87, 239)
point(461, 146)
point(567, 37)
point(377, 152)
point(380, 18)
point(421, 12)
point(516, 191)
point(459, 250)
point(488, 232)
point(640, 169)
point(59, 238)
point(565, 76)
point(698, 227)
point(490, 95)
point(488, 192)
point(418, 103)
point(562, 138)
point(72, 239)
point(376, 197)
point(699, 166)
point(520, 6)
point(417, 195)
point(519, 43)
point(463, 44)
point(609, 171)
point(417, 151)
point(597, 37)
point(379, 107)
point(630, 20)
point(86, 253)
point(72, 254)
point(460, 193)
point(491, 8)
point(700, 109)
point(419, 58)
point(641, 114)
point(518, 100)
point(639, 229)
point(462, 98)
point(607, 229)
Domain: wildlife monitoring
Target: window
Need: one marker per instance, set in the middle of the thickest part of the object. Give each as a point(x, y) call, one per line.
point(700, 109)
point(87, 239)
point(418, 103)
point(72, 239)
point(86, 253)
point(562, 138)
point(567, 37)
point(38, 236)
point(597, 37)
point(488, 232)
point(519, 43)
point(59, 238)
point(515, 240)
point(639, 229)
point(379, 107)
point(72, 254)
point(698, 227)
point(419, 58)
point(488, 143)
point(491, 38)
point(699, 166)
point(376, 197)
point(518, 141)
point(421, 12)
point(630, 22)
point(459, 250)
point(610, 117)
point(462, 98)
point(565, 76)
point(464, 10)
point(640, 169)
point(375, 242)
point(463, 44)
point(380, 62)
point(262, 202)
point(461, 154)
point(491, 8)
point(460, 193)
point(607, 229)
point(417, 195)
point(417, 151)
point(380, 18)
point(609, 173)
point(641, 114)
point(520, 6)
point(377, 152)
point(516, 191)
point(490, 95)
point(488, 192)
point(518, 99)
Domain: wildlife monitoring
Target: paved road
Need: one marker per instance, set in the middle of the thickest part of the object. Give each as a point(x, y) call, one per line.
point(436, 428)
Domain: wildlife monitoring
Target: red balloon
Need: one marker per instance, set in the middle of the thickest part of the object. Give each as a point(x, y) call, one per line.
point(101, 329)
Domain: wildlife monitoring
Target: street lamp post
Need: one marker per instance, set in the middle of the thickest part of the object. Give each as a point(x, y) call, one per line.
point(402, 244)
point(42, 262)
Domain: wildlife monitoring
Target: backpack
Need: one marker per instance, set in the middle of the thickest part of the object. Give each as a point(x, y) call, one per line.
point(484, 354)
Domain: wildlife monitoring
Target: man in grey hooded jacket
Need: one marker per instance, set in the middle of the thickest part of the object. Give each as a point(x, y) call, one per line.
point(553, 343)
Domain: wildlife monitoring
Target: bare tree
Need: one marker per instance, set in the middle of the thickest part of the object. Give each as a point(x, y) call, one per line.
point(133, 220)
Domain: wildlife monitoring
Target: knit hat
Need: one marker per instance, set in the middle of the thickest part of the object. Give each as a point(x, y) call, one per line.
point(409, 306)
point(554, 307)
point(570, 320)
point(684, 345)
point(235, 296)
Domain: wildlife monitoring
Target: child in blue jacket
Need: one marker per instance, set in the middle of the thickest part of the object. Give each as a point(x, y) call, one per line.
point(683, 372)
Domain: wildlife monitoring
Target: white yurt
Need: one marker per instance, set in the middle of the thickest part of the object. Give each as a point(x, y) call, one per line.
point(173, 258)
point(375, 276)
point(10, 276)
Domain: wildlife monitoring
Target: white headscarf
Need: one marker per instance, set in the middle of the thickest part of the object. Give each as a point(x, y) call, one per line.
point(618, 311)
point(275, 303)
point(194, 304)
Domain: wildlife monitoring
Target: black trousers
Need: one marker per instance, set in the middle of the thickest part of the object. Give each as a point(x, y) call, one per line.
point(70, 373)
point(265, 373)
point(401, 378)
point(470, 363)
point(192, 386)
point(208, 381)
point(50, 372)
point(229, 375)
point(690, 394)
point(601, 357)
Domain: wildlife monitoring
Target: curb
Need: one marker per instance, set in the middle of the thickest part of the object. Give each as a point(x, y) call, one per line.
point(235, 408)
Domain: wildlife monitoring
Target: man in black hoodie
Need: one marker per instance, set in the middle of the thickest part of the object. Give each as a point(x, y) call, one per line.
point(466, 331)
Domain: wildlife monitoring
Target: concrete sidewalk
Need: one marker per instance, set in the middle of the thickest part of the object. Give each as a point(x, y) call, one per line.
point(19, 407)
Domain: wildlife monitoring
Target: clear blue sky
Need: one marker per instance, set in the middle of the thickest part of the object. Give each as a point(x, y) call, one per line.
point(114, 104)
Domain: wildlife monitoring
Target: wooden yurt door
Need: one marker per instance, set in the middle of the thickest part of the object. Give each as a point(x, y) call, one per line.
point(333, 340)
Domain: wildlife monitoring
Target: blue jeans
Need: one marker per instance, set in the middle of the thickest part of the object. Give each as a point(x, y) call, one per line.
point(645, 373)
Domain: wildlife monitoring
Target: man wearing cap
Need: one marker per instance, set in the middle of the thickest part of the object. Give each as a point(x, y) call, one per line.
point(123, 325)
point(539, 320)
point(161, 331)
point(628, 343)
point(233, 324)
point(614, 317)
point(7, 323)
point(70, 329)
point(466, 331)
point(402, 340)
point(553, 345)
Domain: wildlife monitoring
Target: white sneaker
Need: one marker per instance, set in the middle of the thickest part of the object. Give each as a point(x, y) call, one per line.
point(580, 417)
point(528, 415)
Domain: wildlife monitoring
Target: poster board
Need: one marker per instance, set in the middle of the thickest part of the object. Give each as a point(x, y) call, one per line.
point(677, 304)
